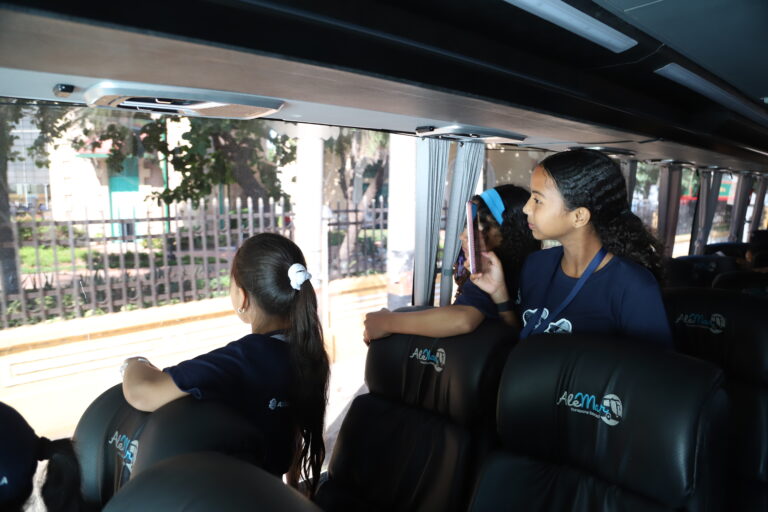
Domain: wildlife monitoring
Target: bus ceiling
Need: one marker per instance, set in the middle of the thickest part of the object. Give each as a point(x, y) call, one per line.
point(515, 68)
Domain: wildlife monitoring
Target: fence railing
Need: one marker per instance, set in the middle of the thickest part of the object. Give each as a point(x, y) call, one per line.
point(76, 268)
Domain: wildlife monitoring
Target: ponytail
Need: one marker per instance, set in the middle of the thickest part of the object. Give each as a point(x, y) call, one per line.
point(61, 490)
point(310, 393)
point(625, 235)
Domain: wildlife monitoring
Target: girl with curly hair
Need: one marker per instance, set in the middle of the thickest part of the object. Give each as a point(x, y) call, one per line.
point(505, 232)
point(603, 276)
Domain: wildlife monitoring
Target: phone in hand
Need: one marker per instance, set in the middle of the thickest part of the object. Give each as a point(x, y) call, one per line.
point(474, 239)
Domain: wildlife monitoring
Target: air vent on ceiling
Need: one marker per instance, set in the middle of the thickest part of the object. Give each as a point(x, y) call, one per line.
point(463, 132)
point(181, 101)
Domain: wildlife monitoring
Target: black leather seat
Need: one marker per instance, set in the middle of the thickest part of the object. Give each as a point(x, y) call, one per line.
point(731, 330)
point(743, 281)
point(696, 270)
point(599, 425)
point(731, 249)
point(115, 442)
point(205, 482)
point(414, 442)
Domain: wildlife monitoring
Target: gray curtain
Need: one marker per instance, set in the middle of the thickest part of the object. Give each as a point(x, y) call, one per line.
point(757, 212)
point(469, 163)
point(709, 190)
point(631, 177)
point(741, 202)
point(431, 167)
point(669, 205)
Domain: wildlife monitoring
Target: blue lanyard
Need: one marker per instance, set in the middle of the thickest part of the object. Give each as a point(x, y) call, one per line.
point(532, 326)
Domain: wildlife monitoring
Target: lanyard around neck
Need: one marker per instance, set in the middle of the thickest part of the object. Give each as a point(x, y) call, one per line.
point(533, 325)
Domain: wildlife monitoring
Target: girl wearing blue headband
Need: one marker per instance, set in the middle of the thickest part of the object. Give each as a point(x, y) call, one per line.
point(505, 231)
point(603, 276)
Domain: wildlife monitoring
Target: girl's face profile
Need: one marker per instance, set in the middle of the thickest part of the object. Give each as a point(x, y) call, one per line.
point(547, 215)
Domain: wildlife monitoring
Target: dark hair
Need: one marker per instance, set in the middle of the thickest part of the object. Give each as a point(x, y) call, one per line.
point(589, 179)
point(260, 268)
point(61, 490)
point(517, 241)
point(19, 454)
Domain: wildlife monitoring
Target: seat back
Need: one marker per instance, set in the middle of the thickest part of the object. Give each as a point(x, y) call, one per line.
point(205, 481)
point(413, 442)
point(115, 442)
point(730, 329)
point(732, 249)
point(743, 281)
point(697, 270)
point(589, 424)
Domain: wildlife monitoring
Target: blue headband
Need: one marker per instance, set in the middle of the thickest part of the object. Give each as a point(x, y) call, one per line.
point(494, 203)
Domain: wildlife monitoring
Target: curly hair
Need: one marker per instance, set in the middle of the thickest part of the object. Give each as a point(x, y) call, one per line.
point(517, 241)
point(589, 179)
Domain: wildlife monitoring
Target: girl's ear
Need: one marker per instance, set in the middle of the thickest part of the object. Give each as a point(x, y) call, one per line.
point(581, 217)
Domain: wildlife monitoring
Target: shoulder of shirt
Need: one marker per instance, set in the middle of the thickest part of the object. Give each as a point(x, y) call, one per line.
point(629, 270)
point(544, 256)
point(257, 338)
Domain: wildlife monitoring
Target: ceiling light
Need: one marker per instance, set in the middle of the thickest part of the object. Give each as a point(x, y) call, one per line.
point(578, 22)
point(691, 80)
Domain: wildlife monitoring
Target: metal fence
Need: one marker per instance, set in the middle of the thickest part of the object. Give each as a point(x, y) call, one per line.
point(76, 268)
point(357, 239)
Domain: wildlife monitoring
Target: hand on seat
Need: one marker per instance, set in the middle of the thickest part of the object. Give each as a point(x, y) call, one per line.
point(374, 325)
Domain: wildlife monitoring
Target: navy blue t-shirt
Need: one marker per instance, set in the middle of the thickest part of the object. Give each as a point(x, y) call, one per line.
point(622, 298)
point(473, 296)
point(252, 375)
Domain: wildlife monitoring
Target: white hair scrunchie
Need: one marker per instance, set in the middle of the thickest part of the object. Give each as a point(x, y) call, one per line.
point(297, 273)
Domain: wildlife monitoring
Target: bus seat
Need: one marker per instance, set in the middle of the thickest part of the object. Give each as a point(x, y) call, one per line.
point(729, 329)
point(205, 481)
point(115, 442)
point(602, 424)
point(760, 259)
point(414, 441)
point(743, 281)
point(731, 249)
point(696, 270)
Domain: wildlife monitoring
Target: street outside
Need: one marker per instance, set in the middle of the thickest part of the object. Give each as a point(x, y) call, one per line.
point(52, 372)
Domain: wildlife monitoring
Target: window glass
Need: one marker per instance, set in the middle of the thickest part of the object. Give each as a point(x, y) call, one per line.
point(645, 199)
point(721, 224)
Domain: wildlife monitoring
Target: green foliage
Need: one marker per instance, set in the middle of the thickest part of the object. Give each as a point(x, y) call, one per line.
point(45, 254)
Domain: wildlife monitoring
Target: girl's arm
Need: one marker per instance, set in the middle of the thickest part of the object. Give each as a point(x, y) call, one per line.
point(146, 387)
point(492, 282)
point(437, 322)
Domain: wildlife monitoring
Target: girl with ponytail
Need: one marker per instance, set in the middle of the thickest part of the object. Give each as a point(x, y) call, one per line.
point(20, 451)
point(277, 376)
point(603, 276)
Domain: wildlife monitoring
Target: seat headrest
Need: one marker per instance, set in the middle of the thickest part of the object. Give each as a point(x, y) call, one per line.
point(207, 481)
point(743, 281)
point(631, 415)
point(105, 442)
point(190, 425)
point(453, 376)
point(722, 326)
point(114, 442)
point(697, 270)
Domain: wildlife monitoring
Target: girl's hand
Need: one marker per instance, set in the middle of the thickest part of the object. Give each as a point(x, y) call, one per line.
point(374, 325)
point(491, 281)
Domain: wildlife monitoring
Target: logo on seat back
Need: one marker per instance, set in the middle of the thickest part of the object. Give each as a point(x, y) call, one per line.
point(4, 481)
point(425, 356)
point(715, 323)
point(609, 409)
point(126, 448)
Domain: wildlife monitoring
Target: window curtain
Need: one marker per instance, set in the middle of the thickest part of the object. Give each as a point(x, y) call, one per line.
point(669, 205)
point(739, 214)
point(757, 212)
point(631, 177)
point(431, 167)
point(709, 190)
point(469, 164)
